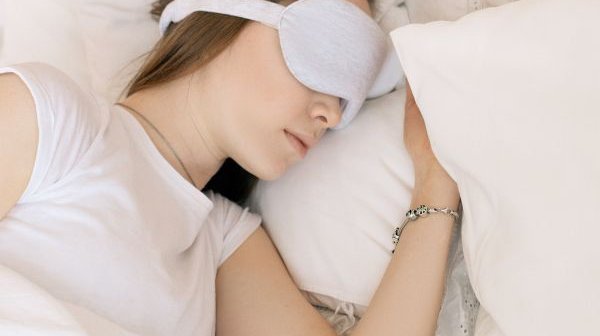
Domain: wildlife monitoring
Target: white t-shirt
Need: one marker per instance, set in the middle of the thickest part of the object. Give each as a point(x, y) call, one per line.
point(108, 226)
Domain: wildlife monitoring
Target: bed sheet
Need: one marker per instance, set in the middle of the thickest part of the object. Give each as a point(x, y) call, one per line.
point(1, 27)
point(28, 310)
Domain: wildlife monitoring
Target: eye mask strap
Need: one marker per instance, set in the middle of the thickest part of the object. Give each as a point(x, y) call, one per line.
point(265, 12)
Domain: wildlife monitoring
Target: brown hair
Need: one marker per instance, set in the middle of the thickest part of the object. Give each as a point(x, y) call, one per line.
point(184, 48)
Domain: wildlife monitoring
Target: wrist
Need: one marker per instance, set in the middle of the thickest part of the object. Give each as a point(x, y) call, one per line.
point(430, 170)
point(435, 190)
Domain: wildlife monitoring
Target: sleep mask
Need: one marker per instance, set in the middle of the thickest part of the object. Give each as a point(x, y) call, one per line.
point(330, 46)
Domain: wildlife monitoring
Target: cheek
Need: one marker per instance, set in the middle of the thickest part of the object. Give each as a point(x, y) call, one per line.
point(271, 154)
point(258, 144)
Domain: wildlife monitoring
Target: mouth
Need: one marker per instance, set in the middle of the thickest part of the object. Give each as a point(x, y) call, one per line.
point(300, 146)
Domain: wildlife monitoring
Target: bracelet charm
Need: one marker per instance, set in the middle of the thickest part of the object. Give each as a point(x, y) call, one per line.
point(414, 214)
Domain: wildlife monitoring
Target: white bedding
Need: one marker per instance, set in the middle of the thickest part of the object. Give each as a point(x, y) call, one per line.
point(26, 309)
point(1, 27)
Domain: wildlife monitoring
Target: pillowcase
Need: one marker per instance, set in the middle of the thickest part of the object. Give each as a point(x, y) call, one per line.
point(114, 58)
point(45, 31)
point(1, 27)
point(27, 309)
point(78, 37)
point(421, 11)
point(510, 99)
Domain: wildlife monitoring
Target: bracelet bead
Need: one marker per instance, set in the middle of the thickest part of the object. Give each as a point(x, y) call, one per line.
point(414, 214)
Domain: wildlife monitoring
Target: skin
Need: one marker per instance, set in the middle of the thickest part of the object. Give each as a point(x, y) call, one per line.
point(255, 294)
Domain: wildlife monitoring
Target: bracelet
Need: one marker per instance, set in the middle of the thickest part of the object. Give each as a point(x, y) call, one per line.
point(414, 214)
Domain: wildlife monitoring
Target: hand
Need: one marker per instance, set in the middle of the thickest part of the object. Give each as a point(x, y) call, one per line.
point(417, 142)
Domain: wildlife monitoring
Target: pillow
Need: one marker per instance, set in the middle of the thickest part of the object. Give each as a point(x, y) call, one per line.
point(1, 27)
point(78, 37)
point(45, 31)
point(27, 309)
point(114, 58)
point(429, 10)
point(510, 99)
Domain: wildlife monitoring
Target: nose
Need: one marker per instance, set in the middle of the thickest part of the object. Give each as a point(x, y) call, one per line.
point(328, 111)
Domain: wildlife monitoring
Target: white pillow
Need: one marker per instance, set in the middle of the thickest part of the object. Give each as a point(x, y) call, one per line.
point(429, 10)
point(510, 97)
point(27, 309)
point(45, 31)
point(117, 34)
point(1, 27)
point(98, 43)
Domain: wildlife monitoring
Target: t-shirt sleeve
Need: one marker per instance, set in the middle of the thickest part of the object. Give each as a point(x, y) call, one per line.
point(236, 224)
point(68, 121)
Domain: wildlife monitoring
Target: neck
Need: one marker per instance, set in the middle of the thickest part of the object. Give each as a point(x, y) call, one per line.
point(171, 110)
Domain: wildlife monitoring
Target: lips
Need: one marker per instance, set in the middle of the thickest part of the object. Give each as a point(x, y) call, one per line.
point(297, 143)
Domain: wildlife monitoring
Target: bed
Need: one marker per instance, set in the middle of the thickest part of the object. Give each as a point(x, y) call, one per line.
point(504, 257)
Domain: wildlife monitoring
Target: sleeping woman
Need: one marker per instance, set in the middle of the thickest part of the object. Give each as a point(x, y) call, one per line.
point(106, 206)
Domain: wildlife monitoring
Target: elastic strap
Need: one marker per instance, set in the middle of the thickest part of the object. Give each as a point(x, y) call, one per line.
point(266, 12)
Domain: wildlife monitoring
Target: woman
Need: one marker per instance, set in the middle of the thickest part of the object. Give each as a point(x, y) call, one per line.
point(101, 206)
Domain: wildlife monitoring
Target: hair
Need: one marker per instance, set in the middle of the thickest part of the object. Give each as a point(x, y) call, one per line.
point(186, 47)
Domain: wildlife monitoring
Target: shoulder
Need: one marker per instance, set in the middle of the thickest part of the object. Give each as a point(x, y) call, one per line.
point(14, 95)
point(17, 127)
point(48, 86)
point(65, 117)
point(64, 109)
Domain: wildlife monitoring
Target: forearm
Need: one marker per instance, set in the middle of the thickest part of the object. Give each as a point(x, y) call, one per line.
point(409, 297)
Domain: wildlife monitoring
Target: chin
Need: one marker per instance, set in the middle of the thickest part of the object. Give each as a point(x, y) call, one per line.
point(271, 172)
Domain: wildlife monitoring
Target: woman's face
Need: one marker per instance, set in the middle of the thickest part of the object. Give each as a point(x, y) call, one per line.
point(267, 119)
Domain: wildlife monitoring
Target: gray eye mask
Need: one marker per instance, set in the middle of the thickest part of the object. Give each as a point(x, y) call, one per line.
point(330, 46)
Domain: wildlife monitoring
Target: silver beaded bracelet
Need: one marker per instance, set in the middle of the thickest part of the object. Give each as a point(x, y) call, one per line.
point(414, 214)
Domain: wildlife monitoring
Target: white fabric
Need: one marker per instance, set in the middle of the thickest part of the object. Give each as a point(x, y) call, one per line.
point(114, 59)
point(27, 310)
point(265, 12)
point(510, 99)
point(421, 11)
point(108, 226)
point(1, 29)
point(32, 35)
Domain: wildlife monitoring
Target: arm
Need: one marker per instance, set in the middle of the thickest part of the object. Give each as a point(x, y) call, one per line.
point(409, 297)
point(18, 140)
point(256, 296)
point(411, 291)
